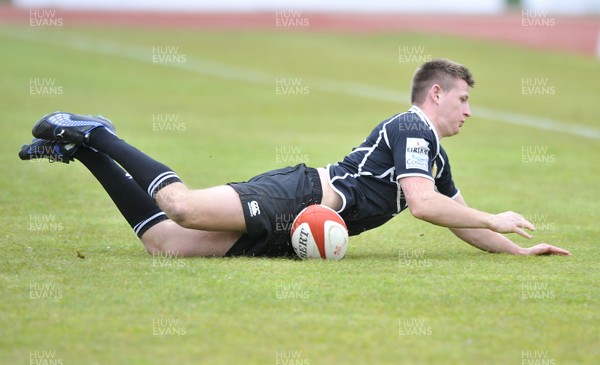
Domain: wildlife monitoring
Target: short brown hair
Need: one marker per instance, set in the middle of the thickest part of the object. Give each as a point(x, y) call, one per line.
point(437, 71)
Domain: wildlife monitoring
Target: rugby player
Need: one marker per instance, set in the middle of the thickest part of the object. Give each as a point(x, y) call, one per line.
point(401, 164)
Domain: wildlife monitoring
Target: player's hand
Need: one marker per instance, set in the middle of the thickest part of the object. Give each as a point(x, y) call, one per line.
point(544, 249)
point(511, 222)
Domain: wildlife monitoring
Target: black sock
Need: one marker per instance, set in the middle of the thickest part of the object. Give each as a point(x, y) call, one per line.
point(140, 211)
point(150, 174)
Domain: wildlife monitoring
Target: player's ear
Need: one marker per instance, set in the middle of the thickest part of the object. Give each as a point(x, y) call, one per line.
point(434, 93)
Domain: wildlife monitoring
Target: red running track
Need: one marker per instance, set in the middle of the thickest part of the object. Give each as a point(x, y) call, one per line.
point(578, 35)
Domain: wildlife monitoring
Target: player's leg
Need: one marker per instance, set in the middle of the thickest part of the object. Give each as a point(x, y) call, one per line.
point(212, 210)
point(158, 233)
point(167, 237)
point(136, 207)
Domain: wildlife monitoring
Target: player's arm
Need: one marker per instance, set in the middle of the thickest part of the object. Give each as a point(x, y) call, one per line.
point(490, 241)
point(428, 205)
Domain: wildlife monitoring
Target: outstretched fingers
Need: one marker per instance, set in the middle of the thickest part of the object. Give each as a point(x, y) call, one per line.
point(521, 232)
point(511, 222)
point(521, 224)
point(546, 249)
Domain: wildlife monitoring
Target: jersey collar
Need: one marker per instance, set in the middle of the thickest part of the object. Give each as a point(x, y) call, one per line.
point(415, 109)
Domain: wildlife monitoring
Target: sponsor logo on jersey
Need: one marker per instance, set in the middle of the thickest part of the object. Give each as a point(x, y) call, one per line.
point(417, 154)
point(253, 208)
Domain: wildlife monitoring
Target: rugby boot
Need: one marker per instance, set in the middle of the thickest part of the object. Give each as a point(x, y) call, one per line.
point(52, 150)
point(69, 128)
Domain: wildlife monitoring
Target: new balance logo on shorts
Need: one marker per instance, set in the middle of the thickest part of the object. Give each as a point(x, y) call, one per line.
point(253, 208)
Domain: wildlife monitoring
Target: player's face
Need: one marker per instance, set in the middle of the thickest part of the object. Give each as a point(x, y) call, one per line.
point(453, 108)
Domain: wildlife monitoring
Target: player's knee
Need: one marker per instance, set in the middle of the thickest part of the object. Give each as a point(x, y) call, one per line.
point(182, 215)
point(177, 208)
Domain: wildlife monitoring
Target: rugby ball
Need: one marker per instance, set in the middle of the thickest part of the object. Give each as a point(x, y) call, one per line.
point(319, 232)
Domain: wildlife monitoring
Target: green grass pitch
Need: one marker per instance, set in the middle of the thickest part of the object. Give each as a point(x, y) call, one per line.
point(208, 105)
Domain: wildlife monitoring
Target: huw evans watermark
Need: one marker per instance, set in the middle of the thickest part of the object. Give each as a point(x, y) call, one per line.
point(413, 258)
point(290, 155)
point(45, 18)
point(541, 222)
point(44, 357)
point(414, 327)
point(290, 86)
point(413, 54)
point(44, 86)
point(44, 290)
point(284, 221)
point(168, 122)
point(536, 291)
point(167, 55)
point(44, 223)
point(537, 155)
point(537, 19)
point(168, 260)
point(537, 86)
point(167, 327)
point(291, 19)
point(536, 357)
point(290, 357)
point(293, 290)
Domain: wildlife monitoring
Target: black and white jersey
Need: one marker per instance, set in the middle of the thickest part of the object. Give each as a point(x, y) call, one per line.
point(367, 179)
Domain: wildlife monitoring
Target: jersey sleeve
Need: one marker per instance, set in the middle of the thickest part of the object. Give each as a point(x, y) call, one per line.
point(413, 147)
point(443, 180)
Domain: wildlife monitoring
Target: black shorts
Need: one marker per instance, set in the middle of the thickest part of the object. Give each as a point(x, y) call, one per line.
point(270, 202)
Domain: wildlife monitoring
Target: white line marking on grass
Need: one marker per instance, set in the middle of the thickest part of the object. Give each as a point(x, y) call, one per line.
point(382, 94)
point(237, 73)
point(537, 122)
